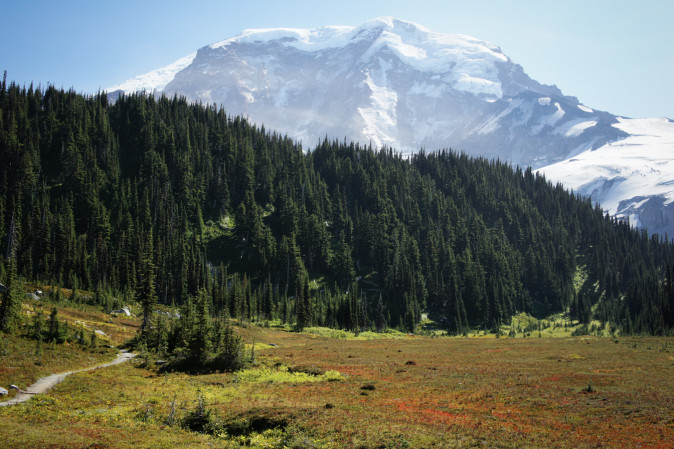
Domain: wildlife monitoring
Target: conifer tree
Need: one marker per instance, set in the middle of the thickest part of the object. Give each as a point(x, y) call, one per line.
point(199, 343)
point(307, 305)
point(146, 293)
point(54, 333)
point(301, 312)
point(10, 307)
point(342, 262)
point(380, 318)
point(229, 355)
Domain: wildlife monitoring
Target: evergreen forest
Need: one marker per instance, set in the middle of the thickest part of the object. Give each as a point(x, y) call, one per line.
point(164, 202)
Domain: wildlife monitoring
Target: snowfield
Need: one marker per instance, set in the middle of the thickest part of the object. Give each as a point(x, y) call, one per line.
point(625, 174)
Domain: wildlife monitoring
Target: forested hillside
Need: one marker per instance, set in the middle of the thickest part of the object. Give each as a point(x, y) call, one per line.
point(157, 199)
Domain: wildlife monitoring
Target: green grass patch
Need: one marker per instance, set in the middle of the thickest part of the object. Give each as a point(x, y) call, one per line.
point(283, 374)
point(340, 334)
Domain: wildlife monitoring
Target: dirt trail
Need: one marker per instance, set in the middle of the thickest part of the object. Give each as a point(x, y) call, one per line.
point(45, 384)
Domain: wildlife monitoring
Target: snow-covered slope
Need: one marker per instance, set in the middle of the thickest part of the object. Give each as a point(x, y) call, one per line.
point(631, 177)
point(395, 83)
point(156, 80)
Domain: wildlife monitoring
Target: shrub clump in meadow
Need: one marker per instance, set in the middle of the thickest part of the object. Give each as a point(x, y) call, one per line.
point(255, 422)
point(196, 342)
point(204, 420)
point(201, 419)
point(256, 428)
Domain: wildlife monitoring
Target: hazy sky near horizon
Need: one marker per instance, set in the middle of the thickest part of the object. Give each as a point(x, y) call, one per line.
point(616, 55)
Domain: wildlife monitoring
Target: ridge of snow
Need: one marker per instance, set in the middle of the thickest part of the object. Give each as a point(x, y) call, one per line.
point(574, 128)
point(412, 39)
point(314, 39)
point(465, 62)
point(585, 108)
point(156, 80)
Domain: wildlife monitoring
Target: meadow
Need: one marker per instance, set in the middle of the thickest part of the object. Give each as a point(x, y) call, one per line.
point(314, 390)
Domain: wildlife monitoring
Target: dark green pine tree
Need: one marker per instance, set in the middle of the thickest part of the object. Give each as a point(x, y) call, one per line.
point(342, 263)
point(146, 294)
point(301, 315)
point(199, 340)
point(54, 332)
point(380, 317)
point(267, 305)
point(10, 307)
point(308, 305)
point(229, 356)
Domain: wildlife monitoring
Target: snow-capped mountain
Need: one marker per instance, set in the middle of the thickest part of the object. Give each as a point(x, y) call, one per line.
point(395, 83)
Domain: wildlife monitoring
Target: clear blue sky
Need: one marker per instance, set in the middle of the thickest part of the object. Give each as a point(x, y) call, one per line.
point(613, 55)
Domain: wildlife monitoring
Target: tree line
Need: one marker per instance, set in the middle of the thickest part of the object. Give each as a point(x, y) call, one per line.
point(165, 202)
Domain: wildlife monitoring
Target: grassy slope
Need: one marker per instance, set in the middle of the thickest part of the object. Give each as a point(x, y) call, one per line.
point(420, 392)
point(21, 363)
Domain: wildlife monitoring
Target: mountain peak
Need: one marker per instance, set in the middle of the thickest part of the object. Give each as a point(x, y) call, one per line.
point(414, 44)
point(364, 82)
point(394, 24)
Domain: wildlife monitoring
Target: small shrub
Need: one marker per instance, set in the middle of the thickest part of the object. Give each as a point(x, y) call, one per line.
point(580, 331)
point(146, 414)
point(253, 422)
point(333, 376)
point(200, 419)
point(170, 419)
